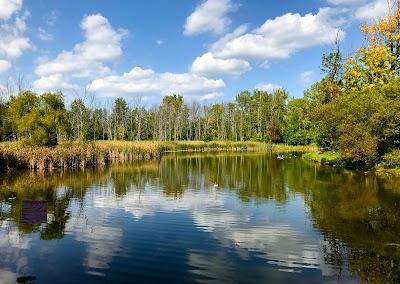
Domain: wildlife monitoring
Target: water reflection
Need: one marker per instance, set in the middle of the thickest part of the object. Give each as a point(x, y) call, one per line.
point(268, 219)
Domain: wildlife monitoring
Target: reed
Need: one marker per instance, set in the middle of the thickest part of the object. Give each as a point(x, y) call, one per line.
point(69, 155)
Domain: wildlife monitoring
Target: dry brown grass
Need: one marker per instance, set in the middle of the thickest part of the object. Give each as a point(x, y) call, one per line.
point(69, 155)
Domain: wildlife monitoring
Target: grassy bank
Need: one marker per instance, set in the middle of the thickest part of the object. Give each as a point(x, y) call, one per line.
point(389, 164)
point(13, 155)
point(201, 146)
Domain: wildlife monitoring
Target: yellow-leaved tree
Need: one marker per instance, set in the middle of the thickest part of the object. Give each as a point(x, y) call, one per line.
point(378, 62)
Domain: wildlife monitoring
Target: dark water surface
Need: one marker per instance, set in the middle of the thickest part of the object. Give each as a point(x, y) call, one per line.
point(266, 221)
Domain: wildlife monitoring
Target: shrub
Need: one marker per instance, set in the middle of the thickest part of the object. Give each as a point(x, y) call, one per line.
point(391, 159)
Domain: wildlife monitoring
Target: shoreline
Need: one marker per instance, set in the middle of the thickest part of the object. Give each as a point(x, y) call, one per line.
point(15, 156)
point(333, 159)
point(69, 155)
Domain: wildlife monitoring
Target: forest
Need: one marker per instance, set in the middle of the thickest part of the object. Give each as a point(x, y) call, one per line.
point(353, 111)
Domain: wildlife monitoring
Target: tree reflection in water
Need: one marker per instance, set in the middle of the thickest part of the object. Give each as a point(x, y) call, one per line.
point(356, 213)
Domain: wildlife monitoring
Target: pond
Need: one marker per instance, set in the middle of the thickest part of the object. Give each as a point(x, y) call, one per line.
point(244, 217)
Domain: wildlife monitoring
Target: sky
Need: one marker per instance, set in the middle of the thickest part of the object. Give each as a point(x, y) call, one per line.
point(204, 50)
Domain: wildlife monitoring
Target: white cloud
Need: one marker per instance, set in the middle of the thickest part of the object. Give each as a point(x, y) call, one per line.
point(4, 65)
point(9, 7)
point(306, 77)
point(373, 10)
point(268, 87)
point(208, 65)
point(102, 43)
point(146, 81)
point(12, 41)
point(345, 2)
point(44, 35)
point(231, 36)
point(210, 16)
point(282, 36)
point(233, 226)
point(54, 82)
point(7, 276)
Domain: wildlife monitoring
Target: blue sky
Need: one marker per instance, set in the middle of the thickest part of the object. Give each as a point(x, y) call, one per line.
point(206, 50)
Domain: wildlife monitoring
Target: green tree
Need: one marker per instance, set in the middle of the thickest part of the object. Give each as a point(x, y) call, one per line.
point(244, 103)
point(23, 113)
point(54, 116)
point(297, 125)
point(79, 120)
point(363, 125)
point(277, 110)
point(5, 123)
point(120, 117)
point(37, 120)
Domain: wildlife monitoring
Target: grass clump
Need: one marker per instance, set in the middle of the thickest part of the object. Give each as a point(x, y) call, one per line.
point(325, 158)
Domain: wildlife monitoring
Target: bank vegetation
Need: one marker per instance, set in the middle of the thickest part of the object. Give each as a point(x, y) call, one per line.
point(14, 155)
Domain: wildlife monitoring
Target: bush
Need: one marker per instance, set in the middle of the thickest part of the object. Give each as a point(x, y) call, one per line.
point(391, 159)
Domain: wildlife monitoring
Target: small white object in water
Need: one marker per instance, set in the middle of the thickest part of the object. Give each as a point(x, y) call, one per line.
point(11, 198)
point(215, 185)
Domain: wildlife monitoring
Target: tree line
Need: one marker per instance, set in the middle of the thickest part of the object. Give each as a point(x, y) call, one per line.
point(44, 119)
point(354, 109)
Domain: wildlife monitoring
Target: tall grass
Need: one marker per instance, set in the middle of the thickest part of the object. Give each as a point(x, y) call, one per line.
point(68, 155)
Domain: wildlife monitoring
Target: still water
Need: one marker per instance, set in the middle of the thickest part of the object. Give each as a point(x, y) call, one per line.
point(203, 218)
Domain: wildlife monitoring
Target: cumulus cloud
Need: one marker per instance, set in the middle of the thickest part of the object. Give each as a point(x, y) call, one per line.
point(268, 87)
point(102, 44)
point(210, 16)
point(209, 66)
point(4, 65)
point(373, 10)
point(140, 81)
point(52, 83)
point(12, 41)
point(9, 7)
point(280, 37)
point(306, 77)
point(233, 226)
